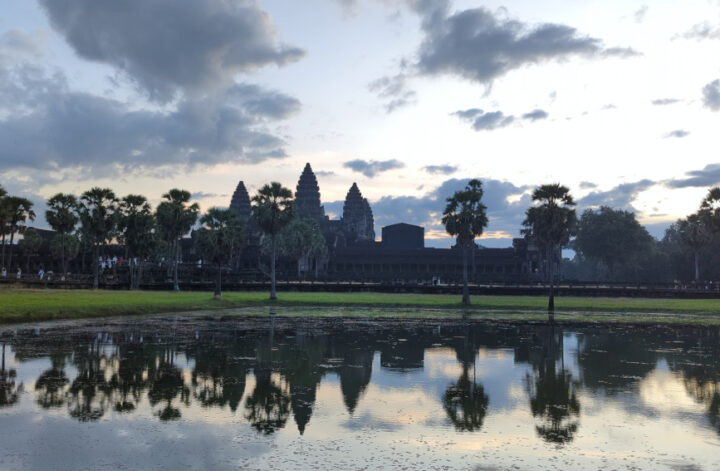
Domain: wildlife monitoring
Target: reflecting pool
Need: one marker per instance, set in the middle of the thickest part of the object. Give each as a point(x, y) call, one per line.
point(276, 392)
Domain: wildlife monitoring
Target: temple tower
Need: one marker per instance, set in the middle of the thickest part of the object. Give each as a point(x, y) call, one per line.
point(357, 216)
point(307, 196)
point(240, 203)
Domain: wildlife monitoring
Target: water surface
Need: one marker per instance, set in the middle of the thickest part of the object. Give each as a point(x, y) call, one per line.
point(288, 393)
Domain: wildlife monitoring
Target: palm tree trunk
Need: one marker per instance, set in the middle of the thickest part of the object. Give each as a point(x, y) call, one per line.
point(218, 282)
point(3, 248)
point(466, 289)
point(10, 253)
point(176, 285)
point(551, 298)
point(273, 294)
point(96, 264)
point(697, 266)
point(62, 253)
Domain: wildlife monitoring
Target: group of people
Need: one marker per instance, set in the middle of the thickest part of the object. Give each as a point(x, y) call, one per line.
point(18, 275)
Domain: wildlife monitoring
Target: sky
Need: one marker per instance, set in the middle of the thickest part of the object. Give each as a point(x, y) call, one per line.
point(618, 100)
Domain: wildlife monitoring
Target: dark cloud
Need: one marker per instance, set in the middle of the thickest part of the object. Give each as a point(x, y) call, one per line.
point(324, 173)
point(482, 121)
point(711, 95)
point(701, 31)
point(535, 115)
point(440, 169)
point(47, 126)
point(477, 45)
point(165, 46)
point(619, 197)
point(677, 133)
point(708, 176)
point(665, 101)
point(394, 91)
point(370, 168)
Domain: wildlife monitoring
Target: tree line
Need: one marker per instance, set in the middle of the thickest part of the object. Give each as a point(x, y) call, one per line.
point(610, 244)
point(99, 217)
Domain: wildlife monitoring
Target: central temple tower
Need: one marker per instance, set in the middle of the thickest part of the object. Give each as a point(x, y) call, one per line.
point(307, 196)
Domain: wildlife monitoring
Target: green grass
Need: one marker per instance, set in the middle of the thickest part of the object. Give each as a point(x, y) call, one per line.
point(34, 305)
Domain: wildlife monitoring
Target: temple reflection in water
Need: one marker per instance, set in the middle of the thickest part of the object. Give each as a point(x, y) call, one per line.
point(268, 370)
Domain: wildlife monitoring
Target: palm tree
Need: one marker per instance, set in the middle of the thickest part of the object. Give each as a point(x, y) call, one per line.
point(29, 245)
point(551, 223)
point(19, 211)
point(695, 233)
point(61, 217)
point(176, 217)
point(273, 210)
point(302, 239)
point(136, 224)
point(97, 209)
point(465, 218)
point(219, 238)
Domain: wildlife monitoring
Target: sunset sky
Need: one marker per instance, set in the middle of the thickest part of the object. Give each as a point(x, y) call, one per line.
point(618, 100)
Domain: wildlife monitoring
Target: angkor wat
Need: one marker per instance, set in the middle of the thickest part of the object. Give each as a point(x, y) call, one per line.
point(354, 254)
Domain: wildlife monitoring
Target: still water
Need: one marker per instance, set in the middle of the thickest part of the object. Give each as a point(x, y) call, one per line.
point(273, 392)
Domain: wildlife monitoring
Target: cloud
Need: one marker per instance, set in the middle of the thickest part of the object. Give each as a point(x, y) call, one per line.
point(394, 90)
point(440, 169)
point(48, 126)
point(21, 42)
point(586, 185)
point(482, 121)
point(619, 197)
point(665, 101)
point(200, 195)
point(477, 45)
point(370, 168)
point(701, 31)
point(535, 115)
point(166, 46)
point(324, 173)
point(677, 133)
point(708, 176)
point(711, 95)
point(640, 14)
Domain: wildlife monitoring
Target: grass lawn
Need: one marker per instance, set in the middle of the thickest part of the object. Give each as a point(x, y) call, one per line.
point(24, 305)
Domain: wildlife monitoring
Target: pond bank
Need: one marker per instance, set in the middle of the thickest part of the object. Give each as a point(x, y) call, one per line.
point(27, 305)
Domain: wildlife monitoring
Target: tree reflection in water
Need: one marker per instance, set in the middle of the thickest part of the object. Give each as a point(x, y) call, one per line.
point(52, 385)
point(167, 383)
point(553, 395)
point(465, 401)
point(9, 390)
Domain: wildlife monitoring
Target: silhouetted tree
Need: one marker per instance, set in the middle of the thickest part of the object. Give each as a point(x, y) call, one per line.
point(65, 247)
point(550, 223)
point(136, 224)
point(465, 218)
point(302, 240)
point(19, 211)
point(176, 217)
point(219, 238)
point(97, 209)
point(29, 245)
point(613, 237)
point(695, 233)
point(273, 210)
point(62, 218)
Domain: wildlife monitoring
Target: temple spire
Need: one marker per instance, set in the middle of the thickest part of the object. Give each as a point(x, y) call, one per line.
point(240, 203)
point(357, 215)
point(307, 196)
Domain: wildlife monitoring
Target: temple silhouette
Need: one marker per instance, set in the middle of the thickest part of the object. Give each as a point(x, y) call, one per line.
point(400, 254)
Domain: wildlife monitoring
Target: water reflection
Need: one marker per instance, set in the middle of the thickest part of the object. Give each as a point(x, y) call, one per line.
point(268, 372)
point(553, 390)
